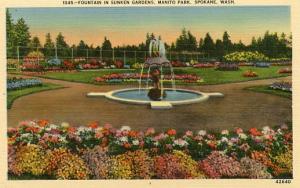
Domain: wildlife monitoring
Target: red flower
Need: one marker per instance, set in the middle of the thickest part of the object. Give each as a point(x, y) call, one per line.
point(255, 132)
point(43, 122)
point(212, 145)
point(93, 125)
point(132, 133)
point(288, 136)
point(171, 132)
point(127, 145)
point(71, 129)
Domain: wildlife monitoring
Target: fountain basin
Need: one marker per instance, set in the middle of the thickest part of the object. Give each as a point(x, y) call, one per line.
point(174, 97)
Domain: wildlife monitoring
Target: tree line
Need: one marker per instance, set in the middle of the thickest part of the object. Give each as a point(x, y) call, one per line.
point(272, 45)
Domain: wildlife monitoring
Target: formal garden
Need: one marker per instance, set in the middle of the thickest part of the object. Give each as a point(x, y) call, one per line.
point(66, 119)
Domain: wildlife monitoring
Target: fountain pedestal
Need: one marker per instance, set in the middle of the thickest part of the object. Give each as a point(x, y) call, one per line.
point(160, 105)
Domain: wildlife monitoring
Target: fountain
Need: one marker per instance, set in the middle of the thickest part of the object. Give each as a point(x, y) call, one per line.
point(168, 96)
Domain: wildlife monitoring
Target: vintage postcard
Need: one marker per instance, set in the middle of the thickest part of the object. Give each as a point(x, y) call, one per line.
point(188, 93)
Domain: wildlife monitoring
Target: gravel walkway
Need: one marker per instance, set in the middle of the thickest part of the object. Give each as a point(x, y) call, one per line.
point(239, 108)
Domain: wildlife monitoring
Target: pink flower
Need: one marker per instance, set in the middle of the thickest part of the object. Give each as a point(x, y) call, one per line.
point(150, 131)
point(238, 130)
point(107, 126)
point(189, 133)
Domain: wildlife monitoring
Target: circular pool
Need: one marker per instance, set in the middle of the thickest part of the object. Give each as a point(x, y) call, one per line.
point(174, 97)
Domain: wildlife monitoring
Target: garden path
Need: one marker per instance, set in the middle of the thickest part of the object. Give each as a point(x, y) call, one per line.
point(239, 108)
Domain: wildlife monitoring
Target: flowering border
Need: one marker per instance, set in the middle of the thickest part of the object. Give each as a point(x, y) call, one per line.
point(103, 152)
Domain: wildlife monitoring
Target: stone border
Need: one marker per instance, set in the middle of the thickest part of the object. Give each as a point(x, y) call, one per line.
point(109, 95)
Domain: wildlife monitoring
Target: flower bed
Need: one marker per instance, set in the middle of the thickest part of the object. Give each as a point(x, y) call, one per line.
point(246, 64)
point(20, 83)
point(178, 64)
point(284, 86)
point(285, 71)
point(282, 63)
point(204, 65)
point(262, 64)
point(250, 73)
point(103, 152)
point(245, 56)
point(135, 77)
point(228, 67)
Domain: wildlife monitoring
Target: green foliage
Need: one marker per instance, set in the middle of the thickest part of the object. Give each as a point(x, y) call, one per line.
point(272, 45)
point(186, 41)
point(35, 54)
point(49, 46)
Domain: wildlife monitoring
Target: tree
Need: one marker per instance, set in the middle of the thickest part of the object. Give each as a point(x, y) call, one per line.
point(49, 46)
point(22, 36)
point(240, 46)
point(81, 48)
point(10, 35)
point(10, 32)
point(35, 43)
point(62, 46)
point(208, 45)
point(227, 43)
point(192, 42)
point(60, 41)
point(106, 48)
point(219, 52)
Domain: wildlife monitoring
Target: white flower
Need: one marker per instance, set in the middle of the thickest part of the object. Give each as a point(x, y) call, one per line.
point(202, 133)
point(99, 129)
point(135, 142)
point(65, 125)
point(180, 142)
point(225, 132)
point(125, 128)
point(230, 143)
point(123, 139)
point(62, 139)
point(224, 139)
point(243, 136)
point(52, 126)
point(266, 128)
point(156, 143)
point(82, 130)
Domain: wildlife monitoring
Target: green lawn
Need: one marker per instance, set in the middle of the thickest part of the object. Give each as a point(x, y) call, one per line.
point(210, 75)
point(268, 90)
point(13, 95)
point(83, 76)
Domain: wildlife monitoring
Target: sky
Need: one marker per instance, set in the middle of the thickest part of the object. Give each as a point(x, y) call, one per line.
point(129, 25)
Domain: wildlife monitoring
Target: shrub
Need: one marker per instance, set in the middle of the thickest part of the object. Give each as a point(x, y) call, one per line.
point(176, 165)
point(20, 83)
point(217, 165)
point(34, 57)
point(250, 73)
point(253, 169)
point(262, 64)
point(68, 65)
point(245, 56)
point(121, 167)
point(119, 64)
point(285, 71)
point(31, 159)
point(98, 162)
point(285, 86)
point(178, 64)
point(54, 62)
point(65, 165)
